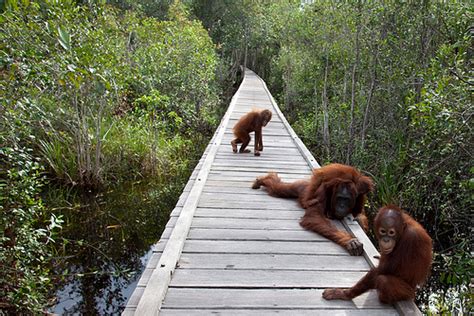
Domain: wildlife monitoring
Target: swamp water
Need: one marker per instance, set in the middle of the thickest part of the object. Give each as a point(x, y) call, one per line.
point(106, 242)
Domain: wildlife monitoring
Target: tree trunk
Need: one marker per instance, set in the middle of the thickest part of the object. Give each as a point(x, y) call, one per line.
point(98, 148)
point(245, 55)
point(326, 140)
point(369, 99)
point(350, 145)
point(344, 89)
point(316, 125)
point(288, 88)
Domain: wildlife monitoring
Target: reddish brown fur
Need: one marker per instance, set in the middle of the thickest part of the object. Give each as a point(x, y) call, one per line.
point(317, 195)
point(250, 122)
point(400, 271)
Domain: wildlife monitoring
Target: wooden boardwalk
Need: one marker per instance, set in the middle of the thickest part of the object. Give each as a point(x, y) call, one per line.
point(231, 250)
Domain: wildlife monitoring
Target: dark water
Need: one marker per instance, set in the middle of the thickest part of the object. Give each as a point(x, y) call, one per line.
point(105, 243)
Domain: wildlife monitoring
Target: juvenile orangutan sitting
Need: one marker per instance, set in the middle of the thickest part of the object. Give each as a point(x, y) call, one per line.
point(405, 261)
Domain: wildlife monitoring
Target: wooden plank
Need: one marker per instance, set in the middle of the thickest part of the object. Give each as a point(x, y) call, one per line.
point(253, 198)
point(271, 149)
point(263, 278)
point(266, 151)
point(289, 174)
point(129, 310)
point(136, 296)
point(244, 223)
point(277, 311)
point(262, 169)
point(283, 164)
point(264, 247)
point(230, 156)
point(249, 178)
point(274, 132)
point(247, 213)
point(272, 262)
point(273, 125)
point(273, 138)
point(229, 183)
point(263, 204)
point(252, 234)
point(266, 298)
point(250, 195)
point(269, 165)
point(245, 234)
point(233, 190)
point(268, 140)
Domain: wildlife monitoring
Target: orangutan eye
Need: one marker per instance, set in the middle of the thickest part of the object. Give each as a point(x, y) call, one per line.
point(391, 232)
point(382, 231)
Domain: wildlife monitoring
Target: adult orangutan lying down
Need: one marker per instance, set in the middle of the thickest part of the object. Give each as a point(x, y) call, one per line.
point(406, 254)
point(250, 122)
point(333, 192)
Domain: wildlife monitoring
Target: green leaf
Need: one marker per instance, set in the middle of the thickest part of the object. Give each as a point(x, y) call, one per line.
point(64, 38)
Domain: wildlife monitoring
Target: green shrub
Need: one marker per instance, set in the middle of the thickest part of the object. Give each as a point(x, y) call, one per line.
point(25, 281)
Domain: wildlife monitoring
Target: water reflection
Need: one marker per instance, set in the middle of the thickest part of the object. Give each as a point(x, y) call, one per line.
point(107, 242)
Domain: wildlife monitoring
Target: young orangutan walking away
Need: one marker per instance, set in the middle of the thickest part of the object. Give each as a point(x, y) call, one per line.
point(250, 122)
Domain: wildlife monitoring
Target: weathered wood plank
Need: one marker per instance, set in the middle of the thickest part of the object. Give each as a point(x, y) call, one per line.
point(243, 234)
point(271, 165)
point(263, 204)
point(282, 140)
point(283, 164)
point(230, 311)
point(265, 298)
point(230, 156)
point(136, 296)
point(248, 196)
point(253, 170)
point(248, 213)
point(273, 151)
point(252, 234)
point(266, 133)
point(249, 178)
point(263, 278)
point(233, 190)
point(244, 223)
point(272, 262)
point(264, 247)
point(230, 183)
point(289, 174)
point(233, 198)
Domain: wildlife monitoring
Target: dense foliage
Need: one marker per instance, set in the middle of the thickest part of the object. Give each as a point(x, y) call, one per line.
point(93, 96)
point(384, 86)
point(24, 278)
point(98, 86)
